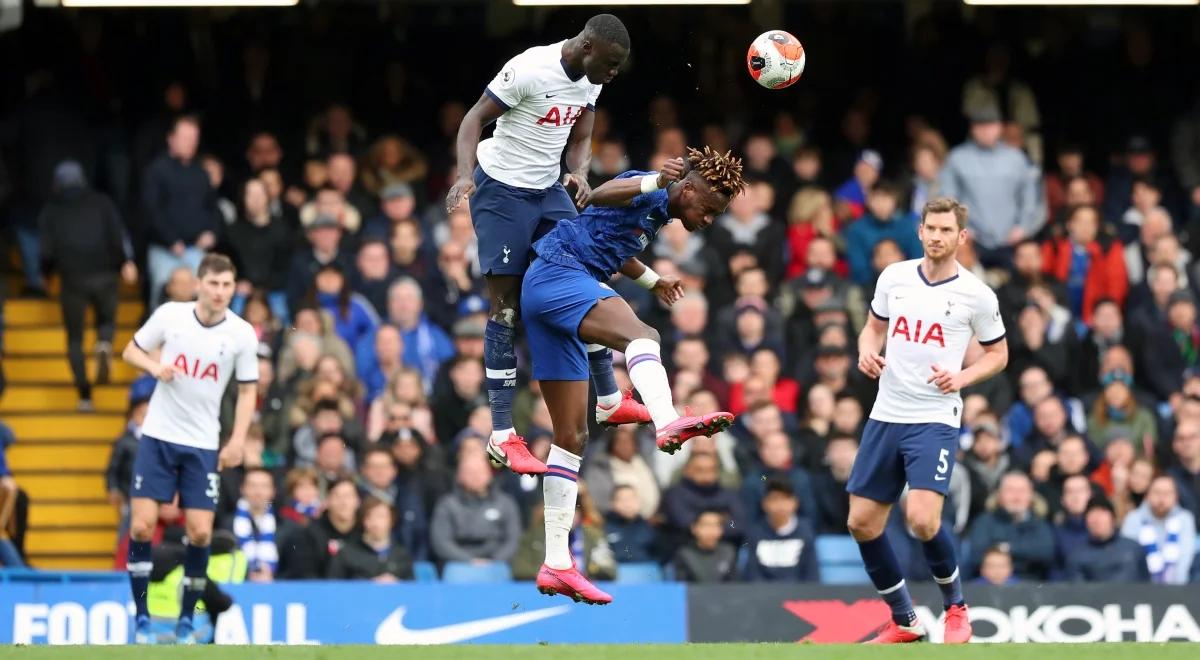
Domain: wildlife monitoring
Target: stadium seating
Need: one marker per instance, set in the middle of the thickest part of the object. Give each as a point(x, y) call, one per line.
point(839, 561)
point(639, 573)
point(462, 572)
point(425, 571)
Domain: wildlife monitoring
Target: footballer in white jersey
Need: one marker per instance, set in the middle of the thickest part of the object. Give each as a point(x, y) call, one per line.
point(203, 345)
point(925, 315)
point(542, 102)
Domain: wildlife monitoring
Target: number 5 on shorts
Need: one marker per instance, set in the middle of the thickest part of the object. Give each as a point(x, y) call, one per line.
point(943, 465)
point(214, 485)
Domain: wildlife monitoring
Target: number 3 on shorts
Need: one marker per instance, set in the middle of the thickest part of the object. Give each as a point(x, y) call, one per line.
point(214, 485)
point(943, 464)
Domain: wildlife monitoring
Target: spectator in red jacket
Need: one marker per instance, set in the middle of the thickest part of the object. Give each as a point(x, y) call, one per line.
point(810, 214)
point(1091, 265)
point(1070, 166)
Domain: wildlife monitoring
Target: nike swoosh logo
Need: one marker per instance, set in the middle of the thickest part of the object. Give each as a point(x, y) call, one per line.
point(550, 96)
point(937, 478)
point(393, 631)
point(500, 373)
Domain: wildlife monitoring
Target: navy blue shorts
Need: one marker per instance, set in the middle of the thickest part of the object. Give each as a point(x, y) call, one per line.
point(508, 220)
point(162, 469)
point(554, 300)
point(891, 454)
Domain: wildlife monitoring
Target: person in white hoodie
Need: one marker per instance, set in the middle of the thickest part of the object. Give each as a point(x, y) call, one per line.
point(1165, 530)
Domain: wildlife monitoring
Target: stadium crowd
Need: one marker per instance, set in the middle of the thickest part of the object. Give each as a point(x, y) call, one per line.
point(1080, 462)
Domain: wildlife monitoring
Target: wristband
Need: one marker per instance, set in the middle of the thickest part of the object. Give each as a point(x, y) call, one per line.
point(647, 279)
point(649, 183)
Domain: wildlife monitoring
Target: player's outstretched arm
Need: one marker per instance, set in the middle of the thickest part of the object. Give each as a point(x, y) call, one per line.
point(484, 112)
point(620, 192)
point(870, 345)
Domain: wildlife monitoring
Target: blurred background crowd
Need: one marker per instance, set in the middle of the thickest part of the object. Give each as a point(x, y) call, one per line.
point(315, 146)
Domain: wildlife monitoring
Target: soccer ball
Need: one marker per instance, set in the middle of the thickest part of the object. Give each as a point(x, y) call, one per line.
point(775, 59)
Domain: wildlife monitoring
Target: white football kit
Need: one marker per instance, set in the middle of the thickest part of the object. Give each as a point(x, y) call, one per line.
point(928, 324)
point(186, 410)
point(542, 104)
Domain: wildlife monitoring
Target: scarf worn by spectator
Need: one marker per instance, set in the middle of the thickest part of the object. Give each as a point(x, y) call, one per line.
point(1161, 561)
point(256, 537)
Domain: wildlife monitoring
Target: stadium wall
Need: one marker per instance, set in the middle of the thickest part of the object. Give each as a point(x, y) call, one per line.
point(359, 613)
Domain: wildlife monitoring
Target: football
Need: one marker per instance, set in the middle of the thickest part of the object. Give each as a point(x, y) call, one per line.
point(775, 59)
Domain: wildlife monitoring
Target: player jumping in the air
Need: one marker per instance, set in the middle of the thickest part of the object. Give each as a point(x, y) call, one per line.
point(542, 101)
point(566, 306)
point(202, 344)
point(927, 311)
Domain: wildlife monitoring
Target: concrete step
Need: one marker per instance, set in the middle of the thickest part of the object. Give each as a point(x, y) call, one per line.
point(26, 312)
point(73, 426)
point(25, 370)
point(62, 399)
point(97, 541)
point(49, 514)
point(66, 562)
point(44, 488)
point(52, 340)
point(31, 455)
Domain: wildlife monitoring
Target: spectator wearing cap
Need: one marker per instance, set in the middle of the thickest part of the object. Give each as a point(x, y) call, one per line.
point(1186, 471)
point(353, 316)
point(883, 220)
point(373, 273)
point(180, 206)
point(1173, 346)
point(1089, 263)
point(118, 476)
point(1070, 160)
point(261, 247)
point(999, 186)
point(747, 227)
point(426, 346)
point(1140, 162)
point(1106, 556)
point(781, 546)
point(397, 205)
point(850, 198)
point(1165, 530)
point(83, 238)
point(324, 235)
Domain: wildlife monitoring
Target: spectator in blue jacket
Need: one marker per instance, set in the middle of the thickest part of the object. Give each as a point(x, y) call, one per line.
point(1029, 537)
point(776, 462)
point(699, 491)
point(781, 547)
point(426, 345)
point(630, 536)
point(353, 316)
point(882, 221)
point(850, 198)
point(1107, 556)
point(1070, 530)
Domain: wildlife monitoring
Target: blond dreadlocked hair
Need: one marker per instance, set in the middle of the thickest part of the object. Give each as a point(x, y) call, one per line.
point(722, 172)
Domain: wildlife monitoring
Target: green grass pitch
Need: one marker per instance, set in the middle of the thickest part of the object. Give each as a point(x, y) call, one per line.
point(615, 652)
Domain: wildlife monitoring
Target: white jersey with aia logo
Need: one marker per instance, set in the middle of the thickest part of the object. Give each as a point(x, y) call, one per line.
point(186, 410)
point(928, 324)
point(542, 104)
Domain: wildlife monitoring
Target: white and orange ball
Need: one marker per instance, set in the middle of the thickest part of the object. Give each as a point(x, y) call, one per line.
point(775, 59)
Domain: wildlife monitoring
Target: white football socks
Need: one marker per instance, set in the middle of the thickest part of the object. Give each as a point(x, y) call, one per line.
point(650, 379)
point(559, 490)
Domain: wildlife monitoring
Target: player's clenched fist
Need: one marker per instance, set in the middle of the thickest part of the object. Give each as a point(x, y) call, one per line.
point(672, 170)
point(871, 363)
point(165, 373)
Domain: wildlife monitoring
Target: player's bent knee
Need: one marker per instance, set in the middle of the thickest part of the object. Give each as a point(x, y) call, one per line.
point(924, 527)
point(199, 538)
point(141, 531)
point(650, 333)
point(864, 527)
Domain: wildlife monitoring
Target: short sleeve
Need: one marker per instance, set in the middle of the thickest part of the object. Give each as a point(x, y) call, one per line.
point(879, 303)
point(509, 86)
point(594, 96)
point(246, 367)
point(152, 334)
point(987, 322)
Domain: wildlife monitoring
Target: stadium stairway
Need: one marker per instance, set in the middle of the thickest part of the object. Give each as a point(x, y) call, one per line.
point(60, 454)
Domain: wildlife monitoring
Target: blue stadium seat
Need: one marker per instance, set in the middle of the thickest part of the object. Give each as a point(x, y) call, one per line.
point(463, 572)
point(424, 571)
point(639, 573)
point(839, 562)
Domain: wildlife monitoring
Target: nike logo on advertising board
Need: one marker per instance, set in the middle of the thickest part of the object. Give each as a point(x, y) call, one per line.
point(393, 631)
